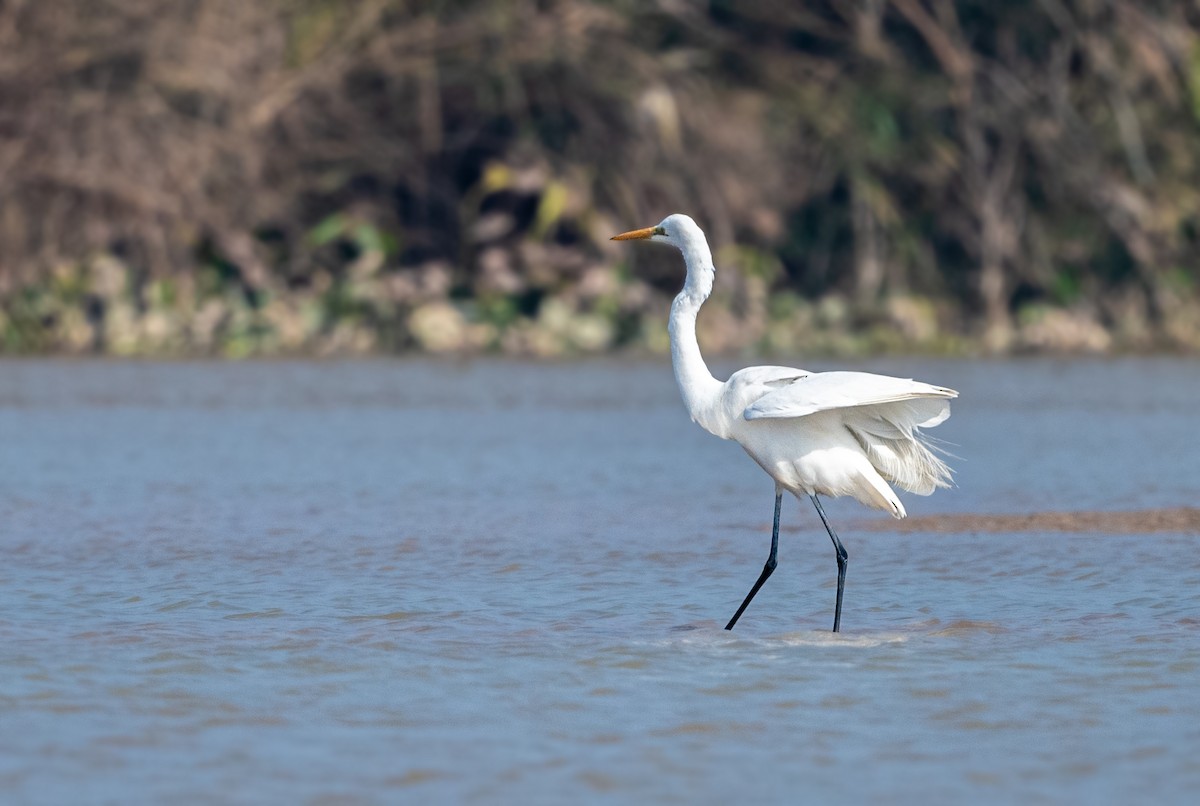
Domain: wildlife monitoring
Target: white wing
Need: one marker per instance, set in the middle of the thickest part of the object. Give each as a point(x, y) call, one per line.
point(882, 413)
point(746, 386)
point(808, 394)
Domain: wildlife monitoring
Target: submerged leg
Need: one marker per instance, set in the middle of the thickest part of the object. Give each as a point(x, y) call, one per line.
point(768, 568)
point(842, 559)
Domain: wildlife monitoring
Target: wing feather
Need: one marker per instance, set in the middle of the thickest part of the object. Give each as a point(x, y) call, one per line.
point(822, 391)
point(889, 434)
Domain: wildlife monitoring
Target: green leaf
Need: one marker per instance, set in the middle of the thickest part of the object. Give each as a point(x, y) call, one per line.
point(1194, 81)
point(368, 238)
point(330, 229)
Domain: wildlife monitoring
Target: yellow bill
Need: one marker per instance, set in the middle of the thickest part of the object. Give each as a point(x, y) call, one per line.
point(636, 234)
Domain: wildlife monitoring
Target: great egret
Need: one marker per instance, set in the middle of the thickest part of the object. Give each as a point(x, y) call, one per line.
point(815, 433)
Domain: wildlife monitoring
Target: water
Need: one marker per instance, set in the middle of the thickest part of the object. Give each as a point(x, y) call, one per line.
point(502, 582)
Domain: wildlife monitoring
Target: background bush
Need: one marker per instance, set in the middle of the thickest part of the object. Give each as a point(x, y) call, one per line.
point(309, 176)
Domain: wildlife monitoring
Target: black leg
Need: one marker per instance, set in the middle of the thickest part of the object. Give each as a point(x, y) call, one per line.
point(768, 568)
point(842, 559)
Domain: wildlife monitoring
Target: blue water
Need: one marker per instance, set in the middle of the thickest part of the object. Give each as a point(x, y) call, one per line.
point(502, 582)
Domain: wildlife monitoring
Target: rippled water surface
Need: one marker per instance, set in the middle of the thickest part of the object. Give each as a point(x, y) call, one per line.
point(498, 582)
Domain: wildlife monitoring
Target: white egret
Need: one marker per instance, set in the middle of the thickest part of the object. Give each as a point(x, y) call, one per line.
point(815, 433)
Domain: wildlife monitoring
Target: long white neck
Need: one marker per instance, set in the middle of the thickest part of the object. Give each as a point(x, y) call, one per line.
point(700, 390)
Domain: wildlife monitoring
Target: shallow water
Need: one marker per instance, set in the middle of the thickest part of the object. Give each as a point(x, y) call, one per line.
point(368, 582)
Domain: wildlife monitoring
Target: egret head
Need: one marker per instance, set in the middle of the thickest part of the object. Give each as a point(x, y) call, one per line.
point(677, 229)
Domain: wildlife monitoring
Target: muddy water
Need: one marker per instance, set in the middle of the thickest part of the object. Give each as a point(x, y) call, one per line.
point(501, 582)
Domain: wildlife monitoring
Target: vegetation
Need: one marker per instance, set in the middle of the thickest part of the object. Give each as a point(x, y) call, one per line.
point(316, 176)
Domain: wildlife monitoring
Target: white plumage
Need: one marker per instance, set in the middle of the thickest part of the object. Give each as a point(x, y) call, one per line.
point(826, 433)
